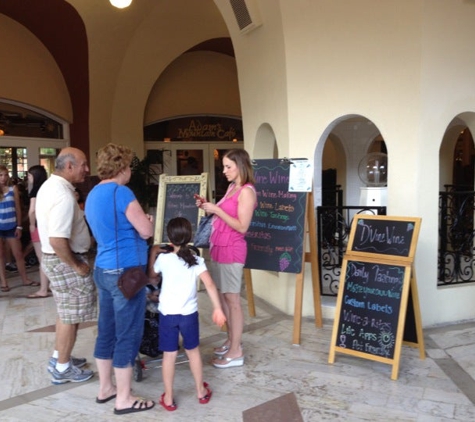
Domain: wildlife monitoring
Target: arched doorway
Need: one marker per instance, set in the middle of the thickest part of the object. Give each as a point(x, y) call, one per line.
point(337, 157)
point(456, 249)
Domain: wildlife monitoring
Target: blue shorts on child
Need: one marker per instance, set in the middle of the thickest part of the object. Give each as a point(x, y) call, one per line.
point(171, 326)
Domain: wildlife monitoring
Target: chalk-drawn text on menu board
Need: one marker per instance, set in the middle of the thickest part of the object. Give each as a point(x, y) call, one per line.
point(383, 236)
point(275, 236)
point(370, 307)
point(181, 203)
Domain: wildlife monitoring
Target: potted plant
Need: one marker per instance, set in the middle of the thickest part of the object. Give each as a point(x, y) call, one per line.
point(143, 181)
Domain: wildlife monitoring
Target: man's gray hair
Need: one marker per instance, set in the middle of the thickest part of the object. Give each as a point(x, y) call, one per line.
point(62, 159)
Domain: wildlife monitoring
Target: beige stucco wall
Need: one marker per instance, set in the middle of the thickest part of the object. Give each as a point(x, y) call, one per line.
point(447, 89)
point(200, 82)
point(32, 77)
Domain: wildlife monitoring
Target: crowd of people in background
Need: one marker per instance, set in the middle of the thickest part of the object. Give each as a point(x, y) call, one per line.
point(57, 224)
point(30, 243)
point(11, 229)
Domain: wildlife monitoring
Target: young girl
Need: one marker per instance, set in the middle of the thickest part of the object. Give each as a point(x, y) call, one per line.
point(10, 229)
point(178, 308)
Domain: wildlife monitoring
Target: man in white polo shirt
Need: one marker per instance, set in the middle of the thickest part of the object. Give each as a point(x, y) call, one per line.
point(65, 240)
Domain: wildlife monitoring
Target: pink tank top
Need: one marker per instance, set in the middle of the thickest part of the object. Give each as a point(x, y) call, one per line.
point(228, 246)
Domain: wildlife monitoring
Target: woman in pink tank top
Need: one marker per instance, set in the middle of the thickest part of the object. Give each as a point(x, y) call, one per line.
point(228, 249)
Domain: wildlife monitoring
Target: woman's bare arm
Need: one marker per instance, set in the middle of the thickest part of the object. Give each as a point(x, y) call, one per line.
point(32, 214)
point(246, 205)
point(142, 222)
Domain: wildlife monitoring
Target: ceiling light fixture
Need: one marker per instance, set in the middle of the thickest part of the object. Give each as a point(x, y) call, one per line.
point(120, 4)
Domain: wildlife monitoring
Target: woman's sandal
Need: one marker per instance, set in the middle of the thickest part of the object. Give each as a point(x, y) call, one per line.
point(139, 406)
point(228, 362)
point(207, 397)
point(172, 407)
point(31, 284)
point(221, 351)
point(5, 289)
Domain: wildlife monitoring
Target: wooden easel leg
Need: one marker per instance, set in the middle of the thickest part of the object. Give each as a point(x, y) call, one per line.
point(417, 316)
point(249, 292)
point(395, 371)
point(313, 259)
point(298, 307)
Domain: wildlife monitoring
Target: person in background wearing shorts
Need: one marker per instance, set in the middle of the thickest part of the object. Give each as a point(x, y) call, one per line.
point(65, 241)
point(11, 229)
point(178, 309)
point(36, 177)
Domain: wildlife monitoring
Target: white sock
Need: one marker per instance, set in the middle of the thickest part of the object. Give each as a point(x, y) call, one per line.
point(56, 354)
point(61, 367)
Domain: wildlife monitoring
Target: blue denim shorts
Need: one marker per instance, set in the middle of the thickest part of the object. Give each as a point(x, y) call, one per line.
point(8, 234)
point(169, 328)
point(121, 321)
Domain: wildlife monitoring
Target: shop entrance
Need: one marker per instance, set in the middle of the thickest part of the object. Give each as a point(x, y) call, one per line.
point(192, 158)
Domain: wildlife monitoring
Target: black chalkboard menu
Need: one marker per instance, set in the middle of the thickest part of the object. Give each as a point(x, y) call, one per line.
point(384, 235)
point(276, 234)
point(369, 314)
point(175, 199)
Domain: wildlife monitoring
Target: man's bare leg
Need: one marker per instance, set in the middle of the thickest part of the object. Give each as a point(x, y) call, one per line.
point(65, 339)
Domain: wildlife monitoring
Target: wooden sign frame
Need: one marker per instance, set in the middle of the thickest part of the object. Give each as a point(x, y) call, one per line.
point(308, 257)
point(166, 180)
point(384, 238)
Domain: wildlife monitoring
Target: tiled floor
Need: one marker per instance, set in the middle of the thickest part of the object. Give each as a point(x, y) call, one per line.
point(439, 388)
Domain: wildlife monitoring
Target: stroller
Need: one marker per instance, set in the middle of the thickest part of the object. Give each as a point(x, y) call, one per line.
point(149, 344)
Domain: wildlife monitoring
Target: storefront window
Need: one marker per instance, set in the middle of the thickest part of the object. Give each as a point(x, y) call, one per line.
point(16, 161)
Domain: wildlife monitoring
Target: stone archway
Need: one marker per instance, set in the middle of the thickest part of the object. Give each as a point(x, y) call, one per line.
point(350, 137)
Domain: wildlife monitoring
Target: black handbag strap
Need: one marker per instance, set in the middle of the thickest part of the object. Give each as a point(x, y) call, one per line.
point(116, 237)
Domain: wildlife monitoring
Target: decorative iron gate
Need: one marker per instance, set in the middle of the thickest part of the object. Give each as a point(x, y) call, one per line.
point(333, 230)
point(456, 256)
point(456, 236)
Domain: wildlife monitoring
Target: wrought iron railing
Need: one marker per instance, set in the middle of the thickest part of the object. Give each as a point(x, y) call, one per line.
point(333, 229)
point(456, 236)
point(456, 259)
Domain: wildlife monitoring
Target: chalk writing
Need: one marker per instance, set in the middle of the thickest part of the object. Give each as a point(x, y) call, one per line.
point(370, 307)
point(383, 236)
point(179, 202)
point(275, 235)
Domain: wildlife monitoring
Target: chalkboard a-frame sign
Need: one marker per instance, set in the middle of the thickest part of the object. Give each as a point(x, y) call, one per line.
point(384, 236)
point(371, 310)
point(175, 199)
point(275, 238)
point(378, 305)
